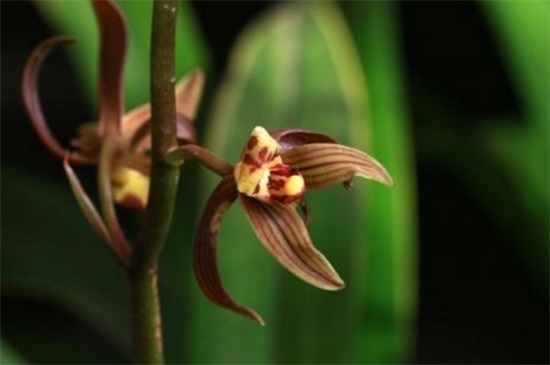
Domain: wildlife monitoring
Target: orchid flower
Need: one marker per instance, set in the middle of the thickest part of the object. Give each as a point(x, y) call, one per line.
point(119, 144)
point(270, 180)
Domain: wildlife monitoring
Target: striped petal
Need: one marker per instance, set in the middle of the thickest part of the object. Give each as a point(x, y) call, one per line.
point(289, 138)
point(284, 234)
point(324, 164)
point(205, 262)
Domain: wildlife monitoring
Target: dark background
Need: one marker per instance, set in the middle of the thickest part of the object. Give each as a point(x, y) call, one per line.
point(477, 303)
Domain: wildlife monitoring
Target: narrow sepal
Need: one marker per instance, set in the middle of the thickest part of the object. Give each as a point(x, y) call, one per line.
point(109, 150)
point(112, 54)
point(283, 233)
point(29, 88)
point(205, 262)
point(89, 209)
point(189, 93)
point(324, 164)
point(289, 138)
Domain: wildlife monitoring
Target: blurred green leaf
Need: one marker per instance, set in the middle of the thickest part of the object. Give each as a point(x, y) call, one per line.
point(76, 19)
point(523, 34)
point(522, 31)
point(390, 288)
point(297, 66)
point(49, 253)
point(506, 163)
point(8, 355)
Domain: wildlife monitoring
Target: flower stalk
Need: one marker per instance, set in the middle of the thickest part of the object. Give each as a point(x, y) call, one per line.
point(146, 316)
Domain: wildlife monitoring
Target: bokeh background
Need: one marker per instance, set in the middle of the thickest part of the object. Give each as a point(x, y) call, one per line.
point(448, 266)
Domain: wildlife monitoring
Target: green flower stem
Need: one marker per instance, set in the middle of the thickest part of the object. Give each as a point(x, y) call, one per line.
point(146, 316)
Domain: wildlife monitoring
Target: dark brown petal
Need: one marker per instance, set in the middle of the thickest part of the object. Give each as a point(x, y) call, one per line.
point(285, 236)
point(204, 252)
point(289, 138)
point(90, 211)
point(324, 164)
point(112, 53)
point(88, 208)
point(31, 100)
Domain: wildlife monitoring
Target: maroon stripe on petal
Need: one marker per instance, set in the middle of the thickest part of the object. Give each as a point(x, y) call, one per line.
point(329, 178)
point(261, 216)
point(315, 150)
point(323, 164)
point(112, 54)
point(283, 233)
point(289, 138)
point(205, 262)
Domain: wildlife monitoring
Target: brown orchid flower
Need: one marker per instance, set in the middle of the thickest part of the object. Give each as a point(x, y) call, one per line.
point(119, 144)
point(270, 180)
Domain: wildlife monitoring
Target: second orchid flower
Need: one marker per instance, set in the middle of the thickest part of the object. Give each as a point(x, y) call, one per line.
point(270, 180)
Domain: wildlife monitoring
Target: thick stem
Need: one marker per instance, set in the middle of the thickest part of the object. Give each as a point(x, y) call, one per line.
point(146, 316)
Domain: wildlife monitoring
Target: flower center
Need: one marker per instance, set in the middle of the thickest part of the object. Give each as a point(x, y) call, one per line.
point(261, 173)
point(130, 187)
